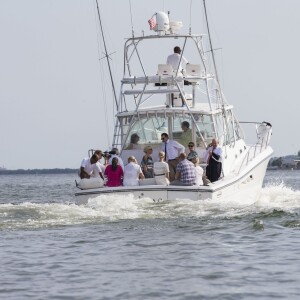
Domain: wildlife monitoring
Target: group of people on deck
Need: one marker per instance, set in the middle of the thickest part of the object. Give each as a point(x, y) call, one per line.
point(173, 167)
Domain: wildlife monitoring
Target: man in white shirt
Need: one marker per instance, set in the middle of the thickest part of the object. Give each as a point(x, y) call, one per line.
point(90, 167)
point(175, 62)
point(172, 149)
point(100, 154)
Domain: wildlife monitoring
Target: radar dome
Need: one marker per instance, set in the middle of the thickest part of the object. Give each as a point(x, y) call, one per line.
point(162, 21)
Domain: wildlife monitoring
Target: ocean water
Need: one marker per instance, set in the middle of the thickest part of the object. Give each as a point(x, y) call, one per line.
point(121, 248)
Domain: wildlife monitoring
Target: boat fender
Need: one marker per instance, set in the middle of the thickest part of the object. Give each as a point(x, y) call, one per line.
point(91, 183)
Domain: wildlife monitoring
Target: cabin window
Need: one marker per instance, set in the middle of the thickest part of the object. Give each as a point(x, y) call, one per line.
point(230, 137)
point(146, 130)
point(205, 125)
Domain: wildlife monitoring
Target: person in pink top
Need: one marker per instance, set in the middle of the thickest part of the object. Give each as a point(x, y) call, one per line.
point(114, 173)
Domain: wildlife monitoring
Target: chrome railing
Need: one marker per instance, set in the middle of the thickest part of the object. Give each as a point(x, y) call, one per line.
point(263, 137)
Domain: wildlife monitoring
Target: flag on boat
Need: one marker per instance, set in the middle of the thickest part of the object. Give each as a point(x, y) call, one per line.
point(152, 23)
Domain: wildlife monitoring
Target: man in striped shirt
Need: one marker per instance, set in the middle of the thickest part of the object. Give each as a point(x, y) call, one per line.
point(185, 172)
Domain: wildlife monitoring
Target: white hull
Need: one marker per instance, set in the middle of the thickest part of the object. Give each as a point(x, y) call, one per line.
point(244, 186)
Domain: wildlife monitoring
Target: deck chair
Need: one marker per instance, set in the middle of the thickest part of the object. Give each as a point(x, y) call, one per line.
point(164, 69)
point(193, 71)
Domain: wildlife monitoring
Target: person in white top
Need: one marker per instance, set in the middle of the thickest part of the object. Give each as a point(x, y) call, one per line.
point(198, 171)
point(175, 62)
point(172, 149)
point(100, 154)
point(132, 172)
point(213, 158)
point(90, 168)
point(120, 161)
point(161, 170)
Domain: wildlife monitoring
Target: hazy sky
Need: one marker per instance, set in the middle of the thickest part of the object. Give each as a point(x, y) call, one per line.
point(52, 84)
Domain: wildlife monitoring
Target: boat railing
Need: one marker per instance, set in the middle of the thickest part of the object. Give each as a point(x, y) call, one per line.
point(263, 136)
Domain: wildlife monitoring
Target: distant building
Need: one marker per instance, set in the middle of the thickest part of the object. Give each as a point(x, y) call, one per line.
point(285, 162)
point(290, 162)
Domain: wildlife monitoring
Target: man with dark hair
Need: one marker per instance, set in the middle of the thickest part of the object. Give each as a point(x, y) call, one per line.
point(185, 172)
point(171, 149)
point(186, 135)
point(100, 154)
point(90, 167)
point(175, 61)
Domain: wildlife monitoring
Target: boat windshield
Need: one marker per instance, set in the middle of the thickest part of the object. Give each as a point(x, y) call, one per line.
point(147, 130)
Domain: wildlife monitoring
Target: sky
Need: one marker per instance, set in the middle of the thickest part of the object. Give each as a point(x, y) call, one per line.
point(53, 78)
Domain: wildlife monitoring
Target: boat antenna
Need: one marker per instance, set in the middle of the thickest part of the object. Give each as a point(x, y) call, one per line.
point(210, 43)
point(131, 19)
point(107, 57)
point(190, 29)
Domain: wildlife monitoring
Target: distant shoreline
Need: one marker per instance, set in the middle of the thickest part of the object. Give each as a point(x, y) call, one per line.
point(39, 171)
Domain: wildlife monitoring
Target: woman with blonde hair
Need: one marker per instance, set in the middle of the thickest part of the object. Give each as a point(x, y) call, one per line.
point(147, 163)
point(161, 170)
point(132, 172)
point(198, 171)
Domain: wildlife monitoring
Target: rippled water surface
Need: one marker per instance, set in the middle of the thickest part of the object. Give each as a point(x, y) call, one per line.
point(121, 248)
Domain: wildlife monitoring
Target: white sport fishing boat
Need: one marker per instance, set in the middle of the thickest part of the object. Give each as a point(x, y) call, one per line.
point(156, 99)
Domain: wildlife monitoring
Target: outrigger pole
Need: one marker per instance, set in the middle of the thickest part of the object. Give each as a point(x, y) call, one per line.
point(107, 58)
point(215, 67)
point(210, 43)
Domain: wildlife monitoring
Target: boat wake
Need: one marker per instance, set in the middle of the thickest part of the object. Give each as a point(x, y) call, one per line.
point(274, 199)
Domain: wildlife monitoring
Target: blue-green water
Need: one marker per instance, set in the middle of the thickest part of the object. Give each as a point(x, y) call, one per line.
point(121, 248)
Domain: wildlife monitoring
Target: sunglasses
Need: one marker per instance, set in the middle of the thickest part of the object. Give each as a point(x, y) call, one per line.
point(191, 146)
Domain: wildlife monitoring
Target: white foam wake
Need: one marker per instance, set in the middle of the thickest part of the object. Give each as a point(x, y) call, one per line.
point(110, 208)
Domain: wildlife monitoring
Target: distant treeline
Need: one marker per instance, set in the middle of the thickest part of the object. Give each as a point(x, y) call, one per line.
point(38, 171)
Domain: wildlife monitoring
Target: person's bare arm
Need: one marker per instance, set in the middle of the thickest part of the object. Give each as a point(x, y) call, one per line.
point(83, 174)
